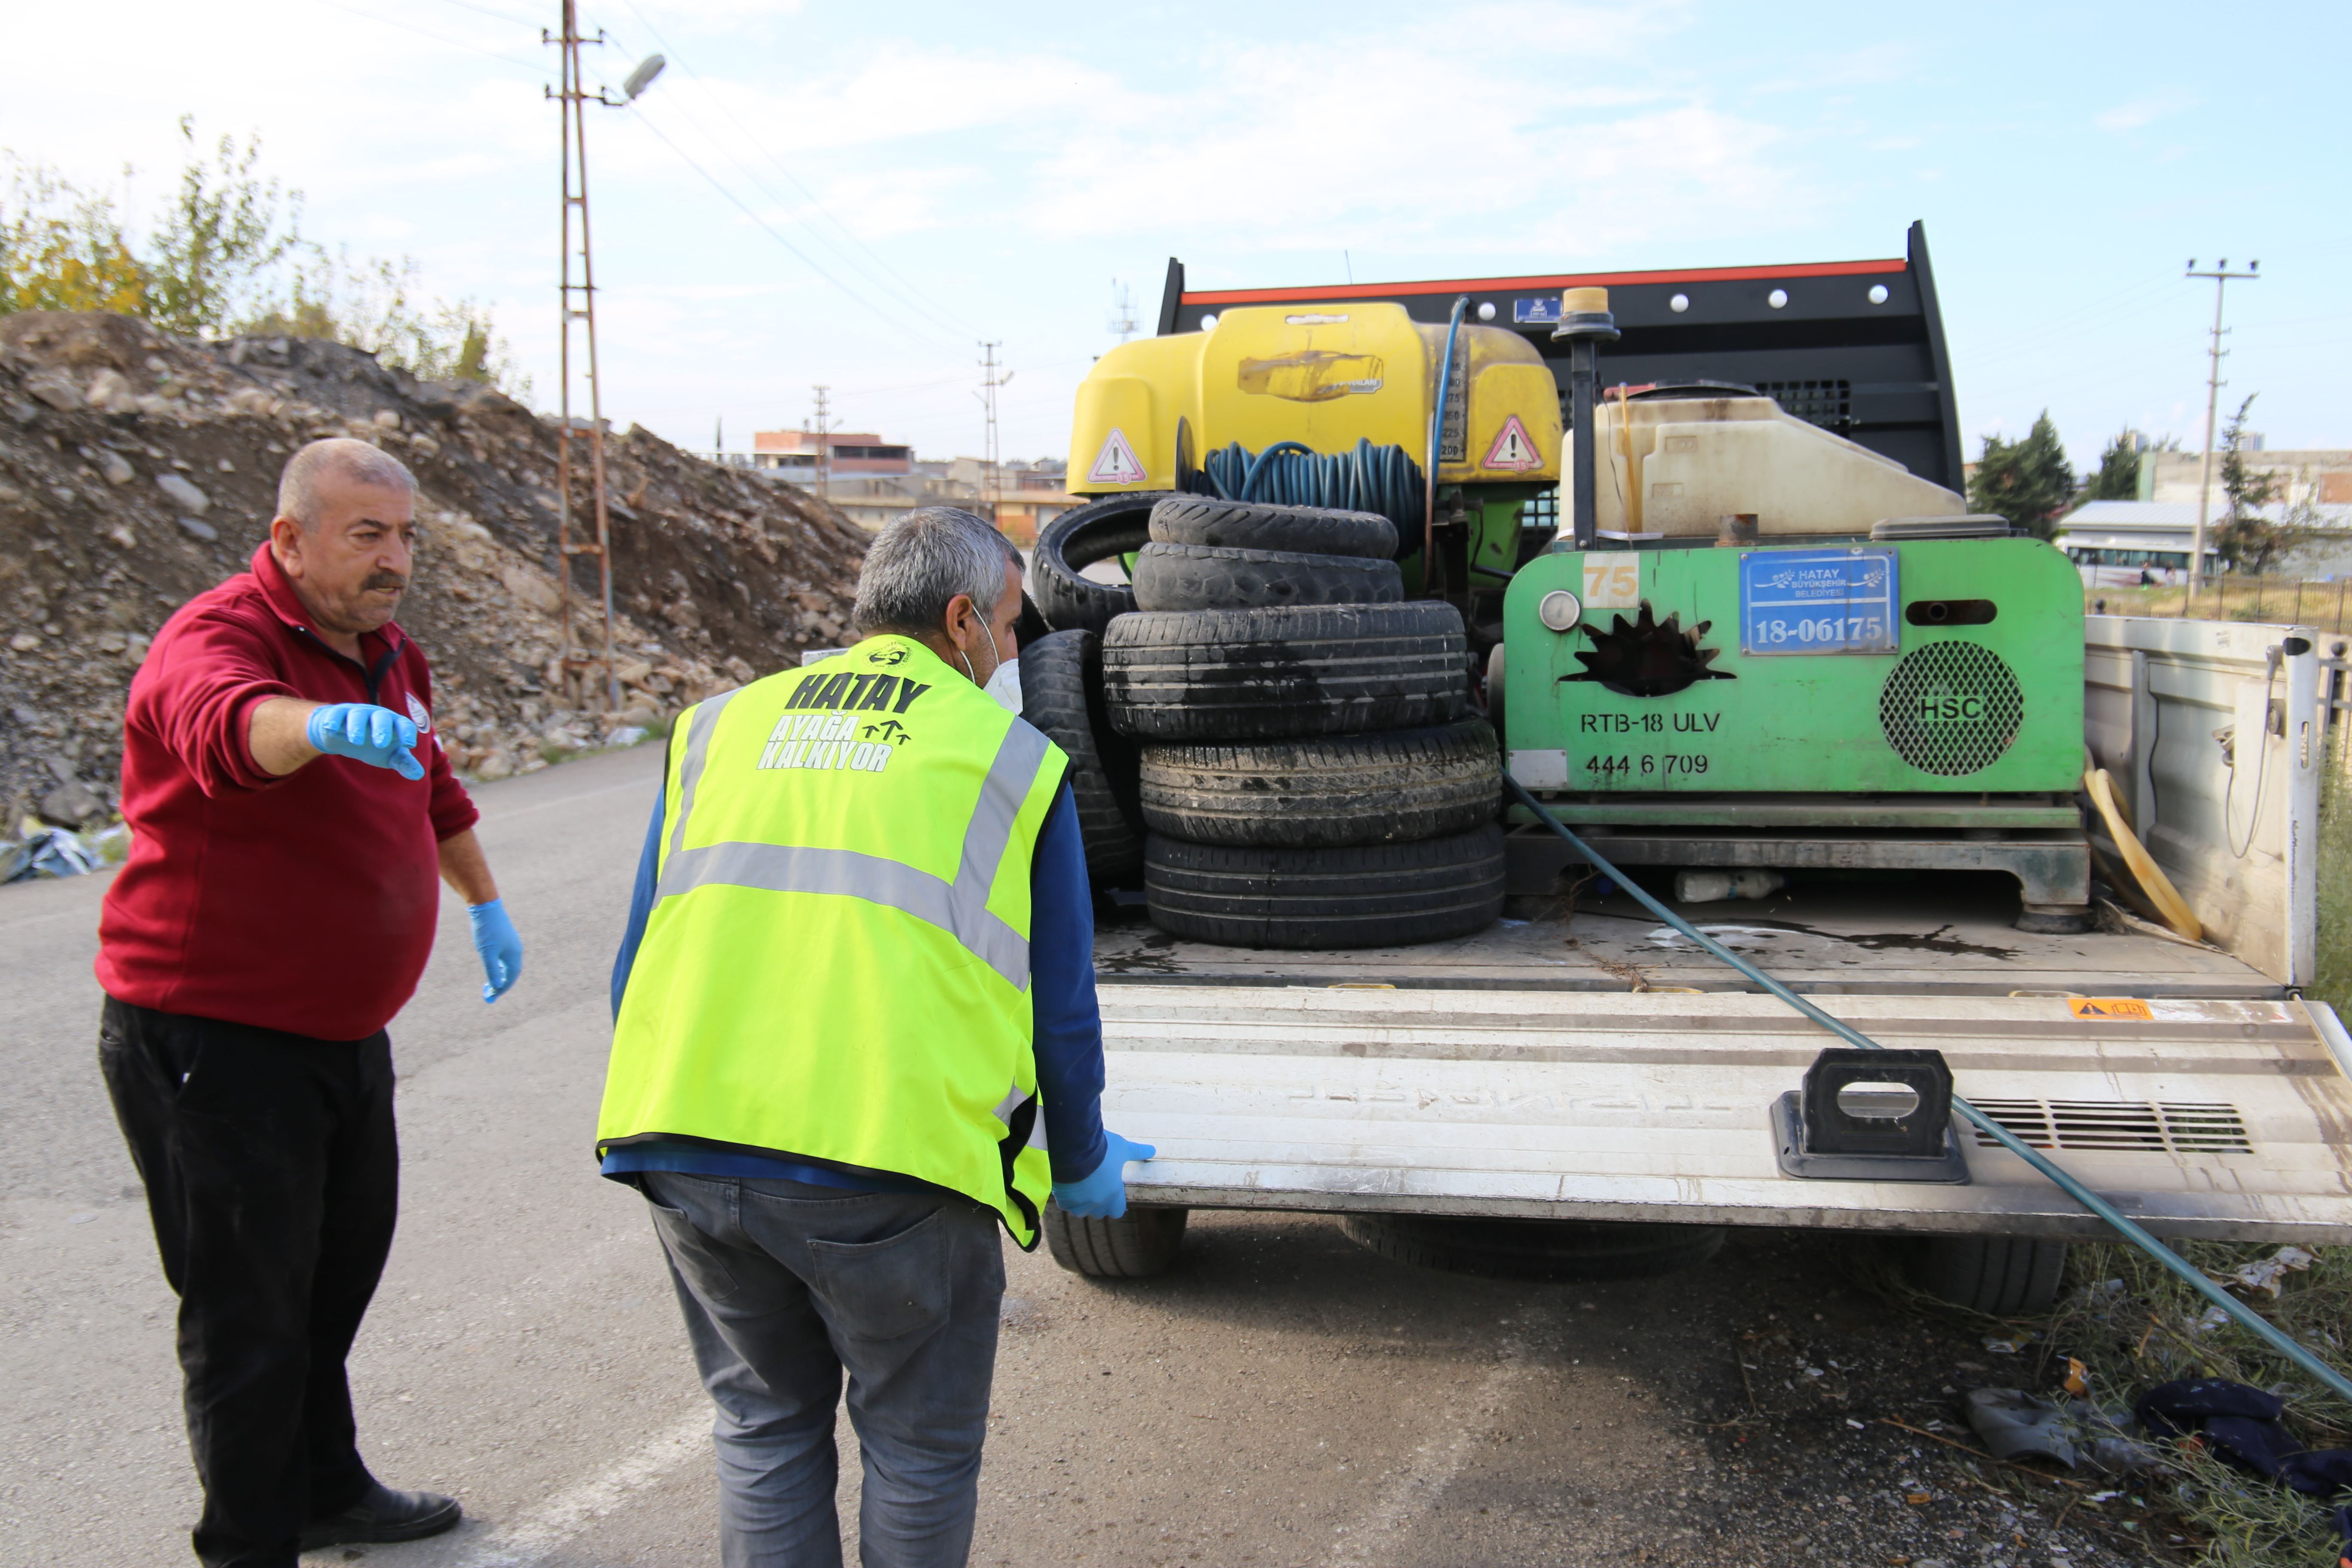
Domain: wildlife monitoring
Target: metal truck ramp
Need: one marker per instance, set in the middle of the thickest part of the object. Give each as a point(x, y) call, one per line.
point(2200, 1117)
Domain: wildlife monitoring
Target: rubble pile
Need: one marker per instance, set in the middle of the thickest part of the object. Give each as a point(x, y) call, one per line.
point(138, 468)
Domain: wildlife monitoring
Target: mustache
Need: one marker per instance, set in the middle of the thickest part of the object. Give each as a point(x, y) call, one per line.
point(382, 580)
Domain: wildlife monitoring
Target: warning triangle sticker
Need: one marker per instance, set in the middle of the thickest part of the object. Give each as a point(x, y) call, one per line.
point(1513, 450)
point(1117, 463)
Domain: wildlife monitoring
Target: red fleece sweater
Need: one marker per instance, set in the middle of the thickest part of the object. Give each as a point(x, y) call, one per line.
point(304, 903)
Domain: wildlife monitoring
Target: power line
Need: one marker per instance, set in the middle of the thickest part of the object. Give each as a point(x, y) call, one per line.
point(485, 10)
point(809, 260)
point(422, 32)
point(806, 260)
point(876, 256)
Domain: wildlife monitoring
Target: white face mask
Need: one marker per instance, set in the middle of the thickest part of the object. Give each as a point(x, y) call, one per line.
point(1005, 684)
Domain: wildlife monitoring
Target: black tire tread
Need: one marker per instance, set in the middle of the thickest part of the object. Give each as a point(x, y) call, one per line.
point(1377, 895)
point(1999, 1276)
point(1264, 525)
point(1115, 525)
point(1535, 1250)
point(1394, 787)
point(1059, 694)
point(1144, 1243)
point(1240, 675)
point(1181, 577)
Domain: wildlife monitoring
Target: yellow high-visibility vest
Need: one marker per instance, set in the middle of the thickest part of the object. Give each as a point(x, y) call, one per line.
point(836, 965)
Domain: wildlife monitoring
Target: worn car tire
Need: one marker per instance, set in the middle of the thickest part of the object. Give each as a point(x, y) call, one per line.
point(1374, 894)
point(1181, 577)
point(1143, 1244)
point(1535, 1248)
point(1999, 1276)
point(1392, 787)
point(1115, 525)
point(1262, 525)
point(1242, 675)
point(1061, 693)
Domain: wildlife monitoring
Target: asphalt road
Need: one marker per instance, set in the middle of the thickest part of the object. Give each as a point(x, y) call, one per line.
point(1282, 1397)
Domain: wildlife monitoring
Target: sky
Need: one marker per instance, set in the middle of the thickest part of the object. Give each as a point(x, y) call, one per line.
point(859, 196)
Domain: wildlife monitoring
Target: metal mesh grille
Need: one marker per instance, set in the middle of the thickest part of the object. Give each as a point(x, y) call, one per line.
point(1950, 707)
point(2163, 1128)
point(1828, 403)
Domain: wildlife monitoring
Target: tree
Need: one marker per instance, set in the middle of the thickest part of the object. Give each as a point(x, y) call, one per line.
point(373, 305)
point(2117, 477)
point(2029, 482)
point(2246, 538)
point(228, 256)
point(62, 249)
point(219, 239)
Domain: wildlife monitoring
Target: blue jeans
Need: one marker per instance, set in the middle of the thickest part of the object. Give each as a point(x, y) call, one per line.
point(784, 1286)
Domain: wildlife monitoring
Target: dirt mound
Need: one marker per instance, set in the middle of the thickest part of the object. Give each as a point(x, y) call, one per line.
point(138, 468)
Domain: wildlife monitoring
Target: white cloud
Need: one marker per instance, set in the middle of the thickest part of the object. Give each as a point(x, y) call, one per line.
point(2142, 111)
point(1279, 150)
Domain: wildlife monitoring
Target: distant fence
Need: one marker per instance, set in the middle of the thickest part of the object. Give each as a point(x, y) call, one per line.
point(2325, 606)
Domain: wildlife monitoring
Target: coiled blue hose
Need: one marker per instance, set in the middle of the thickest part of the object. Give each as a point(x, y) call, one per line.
point(1383, 480)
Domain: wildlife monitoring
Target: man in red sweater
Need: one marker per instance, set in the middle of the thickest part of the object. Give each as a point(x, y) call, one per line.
point(289, 809)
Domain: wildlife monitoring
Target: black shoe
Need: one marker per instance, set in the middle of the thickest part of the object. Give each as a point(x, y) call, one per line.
point(384, 1514)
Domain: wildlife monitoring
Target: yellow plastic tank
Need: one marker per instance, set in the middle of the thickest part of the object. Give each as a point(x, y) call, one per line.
point(1327, 375)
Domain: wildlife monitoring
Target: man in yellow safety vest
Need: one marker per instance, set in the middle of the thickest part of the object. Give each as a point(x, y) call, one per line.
point(853, 1011)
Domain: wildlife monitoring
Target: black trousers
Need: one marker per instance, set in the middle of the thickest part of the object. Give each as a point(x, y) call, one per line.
point(272, 1177)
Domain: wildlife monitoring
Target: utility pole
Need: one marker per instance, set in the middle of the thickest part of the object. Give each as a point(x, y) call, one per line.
point(2221, 275)
point(991, 487)
point(824, 443)
point(578, 301)
point(1122, 310)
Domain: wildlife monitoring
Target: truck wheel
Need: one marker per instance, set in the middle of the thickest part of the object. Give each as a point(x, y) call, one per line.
point(1061, 693)
point(1114, 525)
point(1181, 577)
point(1137, 1247)
point(1393, 787)
point(1377, 895)
point(1262, 525)
point(1242, 674)
point(1535, 1248)
point(1999, 1276)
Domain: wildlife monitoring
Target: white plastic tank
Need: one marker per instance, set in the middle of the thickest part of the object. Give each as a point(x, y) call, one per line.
point(1672, 467)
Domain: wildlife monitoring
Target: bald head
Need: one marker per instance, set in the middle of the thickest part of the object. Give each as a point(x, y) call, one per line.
point(314, 476)
point(345, 534)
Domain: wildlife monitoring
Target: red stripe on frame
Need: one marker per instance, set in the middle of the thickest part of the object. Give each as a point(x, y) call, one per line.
point(1371, 291)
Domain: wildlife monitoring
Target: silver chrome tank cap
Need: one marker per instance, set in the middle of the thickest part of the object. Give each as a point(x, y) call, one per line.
point(1560, 610)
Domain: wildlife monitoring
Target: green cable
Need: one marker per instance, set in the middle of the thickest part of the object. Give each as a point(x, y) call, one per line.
point(2241, 1314)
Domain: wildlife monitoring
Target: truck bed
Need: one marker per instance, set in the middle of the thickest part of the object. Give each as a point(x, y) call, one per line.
point(1518, 1072)
point(1859, 940)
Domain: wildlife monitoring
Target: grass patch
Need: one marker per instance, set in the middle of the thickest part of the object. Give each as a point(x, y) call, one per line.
point(2331, 973)
point(2134, 1325)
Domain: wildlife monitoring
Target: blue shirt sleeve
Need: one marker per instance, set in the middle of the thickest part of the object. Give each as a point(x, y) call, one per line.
point(1067, 1023)
point(641, 897)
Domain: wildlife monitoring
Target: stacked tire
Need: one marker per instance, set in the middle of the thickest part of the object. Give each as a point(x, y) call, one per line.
point(1310, 777)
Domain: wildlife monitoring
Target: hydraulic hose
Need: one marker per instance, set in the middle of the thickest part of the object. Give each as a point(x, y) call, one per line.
point(2244, 1316)
point(1380, 480)
point(1436, 434)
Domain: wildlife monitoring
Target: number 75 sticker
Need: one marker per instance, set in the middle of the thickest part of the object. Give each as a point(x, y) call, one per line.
point(1612, 582)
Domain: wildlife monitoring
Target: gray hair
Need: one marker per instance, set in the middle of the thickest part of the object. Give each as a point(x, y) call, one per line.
point(341, 458)
point(923, 560)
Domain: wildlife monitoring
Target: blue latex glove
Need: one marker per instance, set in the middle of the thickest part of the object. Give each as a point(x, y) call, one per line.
point(376, 736)
point(501, 948)
point(1103, 1196)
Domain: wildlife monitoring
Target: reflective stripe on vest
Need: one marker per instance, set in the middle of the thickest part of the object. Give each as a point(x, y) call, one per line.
point(958, 907)
point(837, 964)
